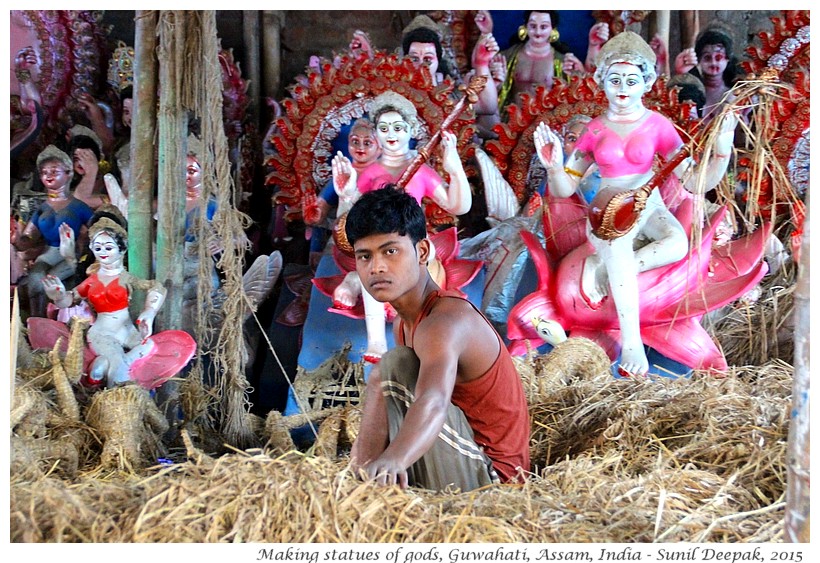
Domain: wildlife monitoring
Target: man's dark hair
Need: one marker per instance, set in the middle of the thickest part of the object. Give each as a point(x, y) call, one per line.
point(425, 35)
point(384, 211)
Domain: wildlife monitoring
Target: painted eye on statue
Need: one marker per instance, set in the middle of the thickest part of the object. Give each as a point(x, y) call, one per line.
point(716, 57)
point(51, 171)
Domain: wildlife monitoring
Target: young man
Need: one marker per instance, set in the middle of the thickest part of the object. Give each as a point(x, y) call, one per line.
point(446, 406)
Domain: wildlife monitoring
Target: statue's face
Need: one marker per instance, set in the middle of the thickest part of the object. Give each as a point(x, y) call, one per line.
point(713, 60)
point(571, 136)
point(193, 174)
point(394, 133)
point(539, 28)
point(363, 146)
point(127, 107)
point(54, 175)
point(424, 54)
point(624, 85)
point(106, 250)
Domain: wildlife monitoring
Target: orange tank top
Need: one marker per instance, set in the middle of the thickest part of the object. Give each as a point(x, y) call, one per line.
point(494, 403)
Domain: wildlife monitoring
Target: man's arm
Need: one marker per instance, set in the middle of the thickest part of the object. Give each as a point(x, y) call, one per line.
point(373, 434)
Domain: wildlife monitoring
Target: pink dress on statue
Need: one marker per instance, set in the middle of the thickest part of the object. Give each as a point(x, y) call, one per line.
point(635, 152)
point(423, 183)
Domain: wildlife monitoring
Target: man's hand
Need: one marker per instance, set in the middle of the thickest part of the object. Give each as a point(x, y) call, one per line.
point(87, 161)
point(387, 472)
point(92, 110)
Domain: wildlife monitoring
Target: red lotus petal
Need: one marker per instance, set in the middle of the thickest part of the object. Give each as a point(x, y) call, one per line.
point(461, 272)
point(446, 243)
point(328, 285)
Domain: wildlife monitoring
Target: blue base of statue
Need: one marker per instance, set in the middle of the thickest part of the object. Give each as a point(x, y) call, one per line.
point(326, 333)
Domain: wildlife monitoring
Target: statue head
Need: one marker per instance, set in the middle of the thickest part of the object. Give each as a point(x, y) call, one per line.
point(627, 47)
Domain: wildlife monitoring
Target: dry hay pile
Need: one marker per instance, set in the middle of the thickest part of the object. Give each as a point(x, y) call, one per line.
point(632, 460)
point(752, 333)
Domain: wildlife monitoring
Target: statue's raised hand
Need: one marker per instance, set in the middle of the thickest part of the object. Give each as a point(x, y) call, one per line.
point(344, 175)
point(452, 161)
point(484, 21)
point(548, 147)
point(54, 288)
point(67, 243)
point(485, 49)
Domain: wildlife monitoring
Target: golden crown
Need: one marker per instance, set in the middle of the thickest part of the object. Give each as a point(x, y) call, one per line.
point(121, 67)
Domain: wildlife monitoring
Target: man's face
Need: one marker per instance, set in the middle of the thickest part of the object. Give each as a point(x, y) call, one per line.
point(389, 265)
point(424, 54)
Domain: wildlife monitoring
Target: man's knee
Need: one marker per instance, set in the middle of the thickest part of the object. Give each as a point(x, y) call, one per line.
point(399, 364)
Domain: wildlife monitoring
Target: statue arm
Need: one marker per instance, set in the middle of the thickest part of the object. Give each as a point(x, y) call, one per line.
point(718, 160)
point(458, 198)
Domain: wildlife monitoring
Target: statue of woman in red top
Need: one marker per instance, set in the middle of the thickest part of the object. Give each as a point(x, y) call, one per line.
point(113, 337)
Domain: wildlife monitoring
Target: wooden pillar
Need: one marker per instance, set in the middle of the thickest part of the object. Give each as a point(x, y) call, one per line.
point(798, 450)
point(141, 194)
point(689, 28)
point(272, 23)
point(251, 30)
point(173, 147)
point(659, 24)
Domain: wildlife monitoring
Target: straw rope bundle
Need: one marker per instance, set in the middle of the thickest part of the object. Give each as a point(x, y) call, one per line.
point(128, 421)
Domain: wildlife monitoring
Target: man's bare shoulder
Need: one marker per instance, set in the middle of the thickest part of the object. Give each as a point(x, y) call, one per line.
point(450, 318)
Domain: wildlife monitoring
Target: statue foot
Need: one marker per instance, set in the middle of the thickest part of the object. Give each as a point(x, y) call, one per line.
point(99, 367)
point(594, 286)
point(633, 361)
point(375, 351)
point(346, 294)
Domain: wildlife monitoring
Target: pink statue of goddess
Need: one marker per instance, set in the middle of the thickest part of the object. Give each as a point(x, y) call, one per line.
point(396, 123)
point(623, 143)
